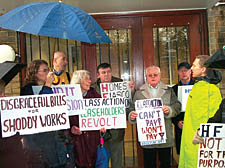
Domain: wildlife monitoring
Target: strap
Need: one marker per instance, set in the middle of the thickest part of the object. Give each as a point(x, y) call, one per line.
point(68, 76)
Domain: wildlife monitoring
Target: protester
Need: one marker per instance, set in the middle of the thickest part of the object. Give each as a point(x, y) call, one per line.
point(115, 137)
point(154, 88)
point(184, 74)
point(61, 77)
point(11, 149)
point(43, 149)
point(59, 66)
point(85, 142)
point(203, 102)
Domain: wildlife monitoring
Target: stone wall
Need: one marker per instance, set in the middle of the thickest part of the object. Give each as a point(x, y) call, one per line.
point(9, 38)
point(216, 28)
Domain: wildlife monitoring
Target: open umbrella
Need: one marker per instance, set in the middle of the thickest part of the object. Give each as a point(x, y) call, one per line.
point(54, 19)
point(217, 60)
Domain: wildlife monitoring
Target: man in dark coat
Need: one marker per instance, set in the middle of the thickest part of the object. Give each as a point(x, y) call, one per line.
point(184, 74)
point(115, 144)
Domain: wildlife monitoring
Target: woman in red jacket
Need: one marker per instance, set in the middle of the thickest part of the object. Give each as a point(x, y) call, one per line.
point(85, 142)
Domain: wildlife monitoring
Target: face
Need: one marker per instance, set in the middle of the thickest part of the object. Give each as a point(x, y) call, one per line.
point(197, 69)
point(105, 75)
point(184, 74)
point(153, 77)
point(85, 83)
point(60, 63)
point(42, 73)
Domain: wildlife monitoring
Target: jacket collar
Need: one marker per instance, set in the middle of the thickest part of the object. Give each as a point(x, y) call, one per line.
point(145, 90)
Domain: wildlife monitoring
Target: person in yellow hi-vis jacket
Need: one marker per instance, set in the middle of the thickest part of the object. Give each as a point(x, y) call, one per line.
point(203, 102)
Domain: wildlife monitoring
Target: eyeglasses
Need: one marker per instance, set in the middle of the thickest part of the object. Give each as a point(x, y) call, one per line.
point(153, 75)
point(43, 70)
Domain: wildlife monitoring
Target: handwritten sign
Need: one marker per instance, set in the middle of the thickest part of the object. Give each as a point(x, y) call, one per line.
point(212, 152)
point(115, 90)
point(150, 122)
point(182, 95)
point(106, 113)
point(33, 114)
point(74, 98)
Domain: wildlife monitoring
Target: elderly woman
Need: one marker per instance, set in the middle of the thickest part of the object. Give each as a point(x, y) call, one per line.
point(86, 142)
point(43, 150)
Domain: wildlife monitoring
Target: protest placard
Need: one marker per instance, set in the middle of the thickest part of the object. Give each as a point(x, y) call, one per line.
point(33, 114)
point(150, 122)
point(106, 113)
point(182, 95)
point(74, 98)
point(116, 89)
point(212, 152)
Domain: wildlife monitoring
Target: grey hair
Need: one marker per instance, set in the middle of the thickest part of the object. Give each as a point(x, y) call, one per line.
point(152, 67)
point(78, 75)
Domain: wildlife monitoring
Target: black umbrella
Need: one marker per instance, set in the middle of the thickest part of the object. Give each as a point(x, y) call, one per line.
point(8, 70)
point(217, 60)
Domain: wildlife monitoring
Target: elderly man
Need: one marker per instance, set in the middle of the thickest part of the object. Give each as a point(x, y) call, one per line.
point(61, 77)
point(59, 66)
point(115, 144)
point(184, 74)
point(203, 102)
point(154, 88)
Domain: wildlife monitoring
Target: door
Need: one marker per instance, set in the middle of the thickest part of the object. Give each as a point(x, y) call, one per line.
point(170, 40)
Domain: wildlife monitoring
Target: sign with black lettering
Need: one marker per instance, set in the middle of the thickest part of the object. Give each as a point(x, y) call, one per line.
point(116, 89)
point(212, 152)
point(150, 122)
point(33, 114)
point(106, 113)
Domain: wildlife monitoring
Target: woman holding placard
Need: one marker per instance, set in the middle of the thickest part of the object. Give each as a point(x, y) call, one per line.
point(86, 142)
point(44, 150)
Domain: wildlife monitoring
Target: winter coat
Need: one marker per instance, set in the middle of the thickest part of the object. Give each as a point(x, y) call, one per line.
point(43, 149)
point(169, 99)
point(179, 117)
point(11, 152)
point(85, 145)
point(117, 134)
point(203, 102)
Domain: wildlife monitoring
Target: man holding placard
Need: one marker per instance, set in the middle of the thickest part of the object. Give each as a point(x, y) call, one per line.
point(184, 74)
point(115, 144)
point(203, 102)
point(158, 92)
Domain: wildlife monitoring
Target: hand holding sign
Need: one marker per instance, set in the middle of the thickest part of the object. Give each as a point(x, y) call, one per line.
point(165, 109)
point(133, 115)
point(75, 130)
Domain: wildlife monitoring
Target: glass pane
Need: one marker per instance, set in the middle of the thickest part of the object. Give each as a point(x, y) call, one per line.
point(171, 47)
point(118, 53)
point(40, 47)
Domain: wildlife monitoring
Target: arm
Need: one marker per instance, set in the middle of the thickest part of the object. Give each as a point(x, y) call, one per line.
point(174, 107)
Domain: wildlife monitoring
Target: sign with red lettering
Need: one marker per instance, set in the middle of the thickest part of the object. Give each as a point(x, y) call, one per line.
point(109, 113)
point(150, 122)
point(212, 152)
point(74, 98)
point(33, 114)
point(116, 89)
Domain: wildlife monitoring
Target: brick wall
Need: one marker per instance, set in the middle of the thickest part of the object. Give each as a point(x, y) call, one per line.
point(216, 27)
point(9, 38)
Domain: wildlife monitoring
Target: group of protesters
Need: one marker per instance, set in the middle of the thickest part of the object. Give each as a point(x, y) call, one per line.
point(75, 148)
